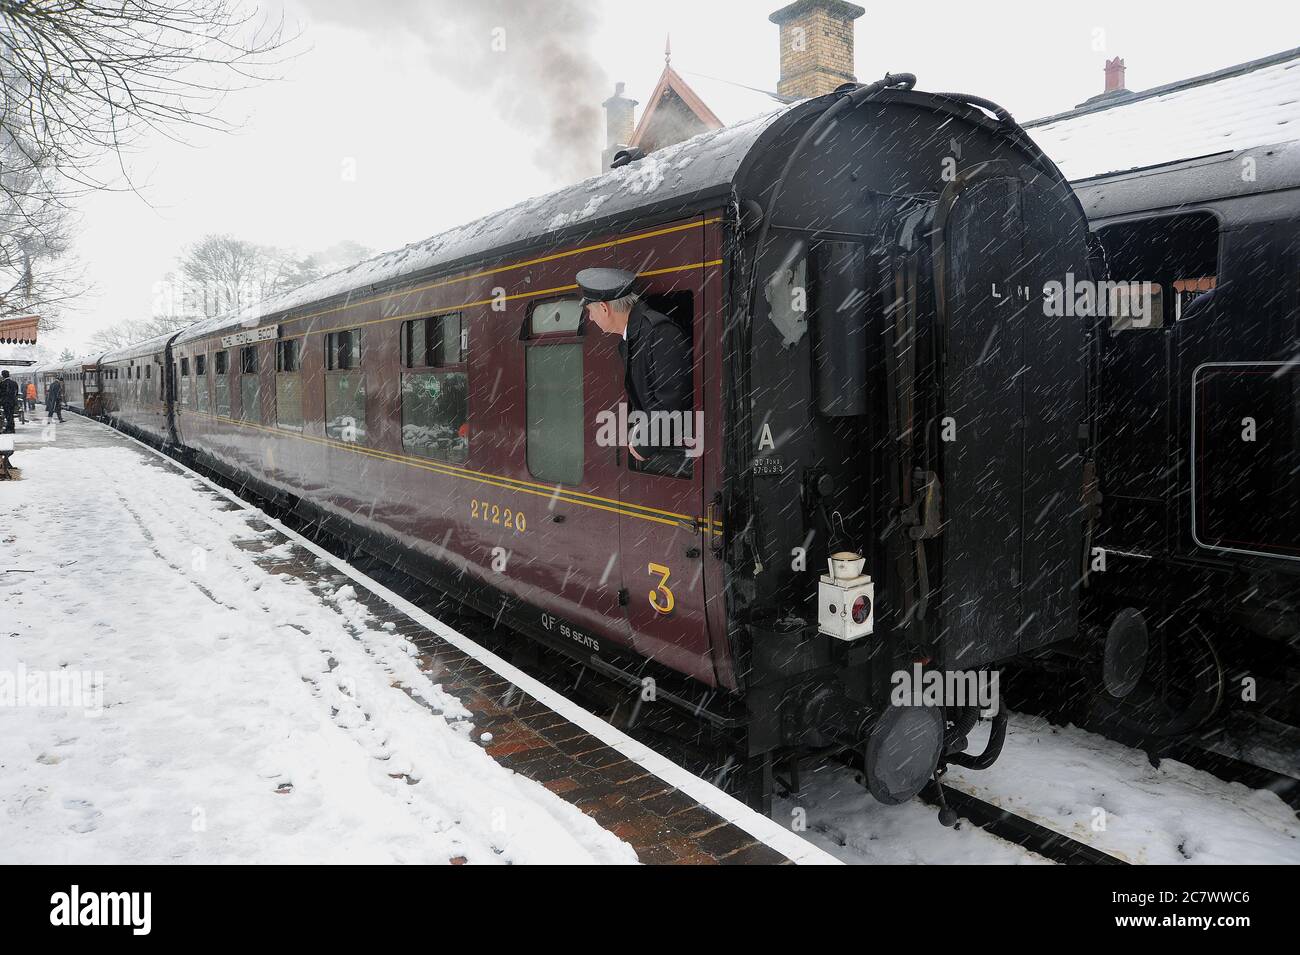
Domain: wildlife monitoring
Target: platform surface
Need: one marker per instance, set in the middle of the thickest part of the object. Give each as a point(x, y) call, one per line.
point(236, 631)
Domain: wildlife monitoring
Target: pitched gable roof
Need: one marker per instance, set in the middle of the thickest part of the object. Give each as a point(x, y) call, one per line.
point(708, 103)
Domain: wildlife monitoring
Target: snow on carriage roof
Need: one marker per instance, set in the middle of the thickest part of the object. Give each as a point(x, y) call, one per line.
point(146, 347)
point(699, 165)
point(1252, 104)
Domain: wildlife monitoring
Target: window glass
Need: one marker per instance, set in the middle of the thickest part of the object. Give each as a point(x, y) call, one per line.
point(221, 384)
point(202, 399)
point(345, 406)
point(288, 400)
point(554, 398)
point(451, 353)
point(340, 351)
point(1135, 305)
point(185, 367)
point(286, 354)
point(250, 398)
point(557, 315)
point(786, 292)
point(415, 343)
point(435, 415)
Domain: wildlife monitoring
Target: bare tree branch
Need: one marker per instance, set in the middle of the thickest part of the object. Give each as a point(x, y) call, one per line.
point(85, 79)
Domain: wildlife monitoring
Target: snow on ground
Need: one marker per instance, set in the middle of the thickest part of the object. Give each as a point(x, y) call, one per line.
point(844, 819)
point(240, 717)
point(1111, 797)
point(1073, 782)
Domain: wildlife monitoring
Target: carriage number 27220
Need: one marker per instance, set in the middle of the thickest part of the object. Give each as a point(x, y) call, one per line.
point(496, 514)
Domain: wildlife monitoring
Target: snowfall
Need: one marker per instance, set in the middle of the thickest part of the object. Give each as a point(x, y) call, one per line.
point(219, 712)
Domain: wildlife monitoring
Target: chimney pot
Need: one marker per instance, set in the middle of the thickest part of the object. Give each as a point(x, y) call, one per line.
point(1115, 75)
point(620, 113)
point(816, 46)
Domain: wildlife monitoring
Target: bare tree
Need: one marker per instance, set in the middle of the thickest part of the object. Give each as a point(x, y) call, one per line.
point(85, 79)
point(224, 274)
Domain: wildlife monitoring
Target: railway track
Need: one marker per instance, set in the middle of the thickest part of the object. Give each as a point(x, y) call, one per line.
point(1021, 831)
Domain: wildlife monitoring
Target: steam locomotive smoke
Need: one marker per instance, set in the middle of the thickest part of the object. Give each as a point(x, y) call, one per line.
point(534, 59)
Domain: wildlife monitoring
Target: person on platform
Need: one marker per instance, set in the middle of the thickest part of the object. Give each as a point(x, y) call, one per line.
point(656, 354)
point(54, 400)
point(8, 400)
point(31, 396)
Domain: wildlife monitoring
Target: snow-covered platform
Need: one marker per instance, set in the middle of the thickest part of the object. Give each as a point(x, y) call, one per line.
point(182, 679)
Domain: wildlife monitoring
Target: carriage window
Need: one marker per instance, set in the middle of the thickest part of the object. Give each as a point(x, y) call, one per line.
point(558, 315)
point(288, 384)
point(553, 391)
point(433, 342)
point(435, 415)
point(250, 399)
point(286, 355)
point(345, 388)
point(341, 350)
point(1162, 270)
point(148, 372)
point(222, 383)
point(185, 367)
point(786, 292)
point(201, 396)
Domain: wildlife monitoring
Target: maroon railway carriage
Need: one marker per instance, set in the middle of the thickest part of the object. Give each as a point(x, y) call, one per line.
point(135, 389)
point(82, 383)
point(858, 274)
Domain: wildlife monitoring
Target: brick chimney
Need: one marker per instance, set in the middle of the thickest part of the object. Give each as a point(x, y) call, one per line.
point(816, 46)
point(1115, 76)
point(619, 115)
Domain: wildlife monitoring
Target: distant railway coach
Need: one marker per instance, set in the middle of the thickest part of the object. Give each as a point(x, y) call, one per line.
point(891, 461)
point(1197, 533)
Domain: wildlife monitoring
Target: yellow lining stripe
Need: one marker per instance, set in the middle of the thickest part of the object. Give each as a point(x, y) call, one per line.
point(495, 480)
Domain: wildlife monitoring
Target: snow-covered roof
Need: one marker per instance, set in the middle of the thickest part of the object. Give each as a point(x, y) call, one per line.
point(147, 347)
point(732, 102)
point(1251, 104)
point(673, 176)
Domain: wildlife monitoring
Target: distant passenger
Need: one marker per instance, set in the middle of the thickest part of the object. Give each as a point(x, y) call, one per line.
point(54, 400)
point(31, 396)
point(656, 354)
point(8, 400)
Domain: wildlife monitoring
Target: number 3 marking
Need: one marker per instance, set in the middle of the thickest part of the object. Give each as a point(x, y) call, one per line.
point(666, 606)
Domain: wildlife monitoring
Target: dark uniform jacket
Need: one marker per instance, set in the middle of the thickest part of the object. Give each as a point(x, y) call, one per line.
point(657, 376)
point(8, 392)
point(657, 360)
point(54, 396)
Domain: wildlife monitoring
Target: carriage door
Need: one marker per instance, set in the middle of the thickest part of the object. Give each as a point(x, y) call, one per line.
point(662, 544)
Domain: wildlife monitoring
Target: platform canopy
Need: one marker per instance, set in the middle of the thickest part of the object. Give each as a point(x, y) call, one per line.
point(19, 331)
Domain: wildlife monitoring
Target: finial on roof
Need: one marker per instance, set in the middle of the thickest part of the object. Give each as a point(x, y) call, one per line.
point(668, 48)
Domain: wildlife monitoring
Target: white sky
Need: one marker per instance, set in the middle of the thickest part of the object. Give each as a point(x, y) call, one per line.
point(429, 154)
